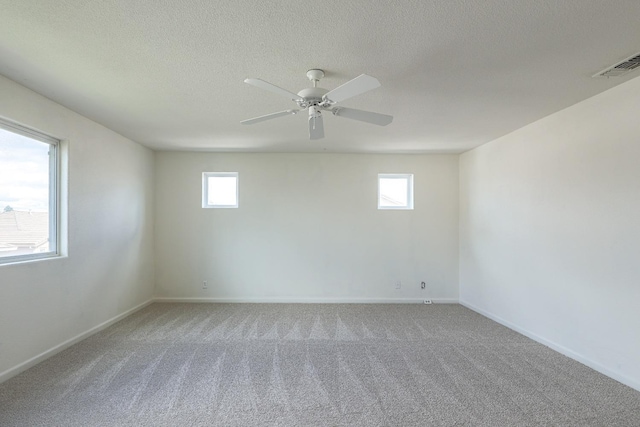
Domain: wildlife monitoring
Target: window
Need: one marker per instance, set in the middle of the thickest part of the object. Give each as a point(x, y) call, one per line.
point(29, 194)
point(220, 190)
point(395, 191)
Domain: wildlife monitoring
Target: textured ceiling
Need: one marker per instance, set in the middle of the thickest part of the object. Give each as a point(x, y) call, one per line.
point(455, 73)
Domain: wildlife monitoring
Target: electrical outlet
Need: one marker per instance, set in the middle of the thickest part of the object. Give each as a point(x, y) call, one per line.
point(398, 284)
point(204, 284)
point(428, 301)
point(423, 285)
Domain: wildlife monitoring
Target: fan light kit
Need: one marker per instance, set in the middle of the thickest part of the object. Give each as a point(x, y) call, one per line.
point(316, 100)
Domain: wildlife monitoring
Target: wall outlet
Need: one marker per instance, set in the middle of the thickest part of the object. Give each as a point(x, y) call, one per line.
point(204, 284)
point(398, 284)
point(428, 301)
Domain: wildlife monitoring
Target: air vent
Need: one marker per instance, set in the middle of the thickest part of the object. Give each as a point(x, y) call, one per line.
point(621, 68)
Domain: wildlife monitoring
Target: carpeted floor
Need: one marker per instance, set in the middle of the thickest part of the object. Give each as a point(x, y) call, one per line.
point(312, 365)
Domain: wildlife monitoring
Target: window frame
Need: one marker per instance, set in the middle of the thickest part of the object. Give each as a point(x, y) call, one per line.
point(55, 226)
point(205, 189)
point(406, 176)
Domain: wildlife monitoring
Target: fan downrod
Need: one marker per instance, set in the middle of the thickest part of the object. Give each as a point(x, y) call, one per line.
point(315, 75)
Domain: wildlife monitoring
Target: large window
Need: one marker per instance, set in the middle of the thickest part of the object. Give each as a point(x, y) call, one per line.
point(29, 204)
point(395, 191)
point(220, 190)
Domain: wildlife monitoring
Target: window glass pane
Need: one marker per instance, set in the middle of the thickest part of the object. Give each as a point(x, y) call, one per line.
point(24, 195)
point(222, 190)
point(393, 191)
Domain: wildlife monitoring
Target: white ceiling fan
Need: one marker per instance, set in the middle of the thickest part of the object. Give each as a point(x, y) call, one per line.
point(317, 100)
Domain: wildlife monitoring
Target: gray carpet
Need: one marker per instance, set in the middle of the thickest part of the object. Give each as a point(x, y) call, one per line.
point(312, 365)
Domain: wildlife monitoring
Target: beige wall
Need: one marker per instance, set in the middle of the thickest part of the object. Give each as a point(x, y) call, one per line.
point(550, 231)
point(307, 229)
point(109, 267)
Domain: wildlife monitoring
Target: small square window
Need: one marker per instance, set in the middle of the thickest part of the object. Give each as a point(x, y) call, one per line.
point(395, 191)
point(220, 190)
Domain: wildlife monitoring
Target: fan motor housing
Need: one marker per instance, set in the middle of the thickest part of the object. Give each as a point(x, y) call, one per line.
point(312, 95)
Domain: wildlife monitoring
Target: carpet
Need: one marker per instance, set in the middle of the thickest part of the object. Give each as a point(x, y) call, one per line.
point(312, 365)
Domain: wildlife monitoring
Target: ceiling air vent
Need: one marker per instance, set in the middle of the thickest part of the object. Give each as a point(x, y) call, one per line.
point(621, 68)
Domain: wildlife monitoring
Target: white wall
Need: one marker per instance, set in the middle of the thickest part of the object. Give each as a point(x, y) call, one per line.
point(307, 229)
point(550, 231)
point(109, 267)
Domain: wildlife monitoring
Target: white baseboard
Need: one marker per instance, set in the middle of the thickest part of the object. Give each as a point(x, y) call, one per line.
point(292, 300)
point(11, 372)
point(557, 347)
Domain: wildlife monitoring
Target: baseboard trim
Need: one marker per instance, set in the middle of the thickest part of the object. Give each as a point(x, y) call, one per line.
point(279, 300)
point(557, 347)
point(12, 372)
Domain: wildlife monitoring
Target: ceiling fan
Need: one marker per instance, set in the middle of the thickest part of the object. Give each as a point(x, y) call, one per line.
point(317, 100)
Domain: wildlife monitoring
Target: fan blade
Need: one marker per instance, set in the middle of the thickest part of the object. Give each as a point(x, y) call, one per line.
point(273, 88)
point(360, 84)
point(268, 117)
point(363, 116)
point(316, 127)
